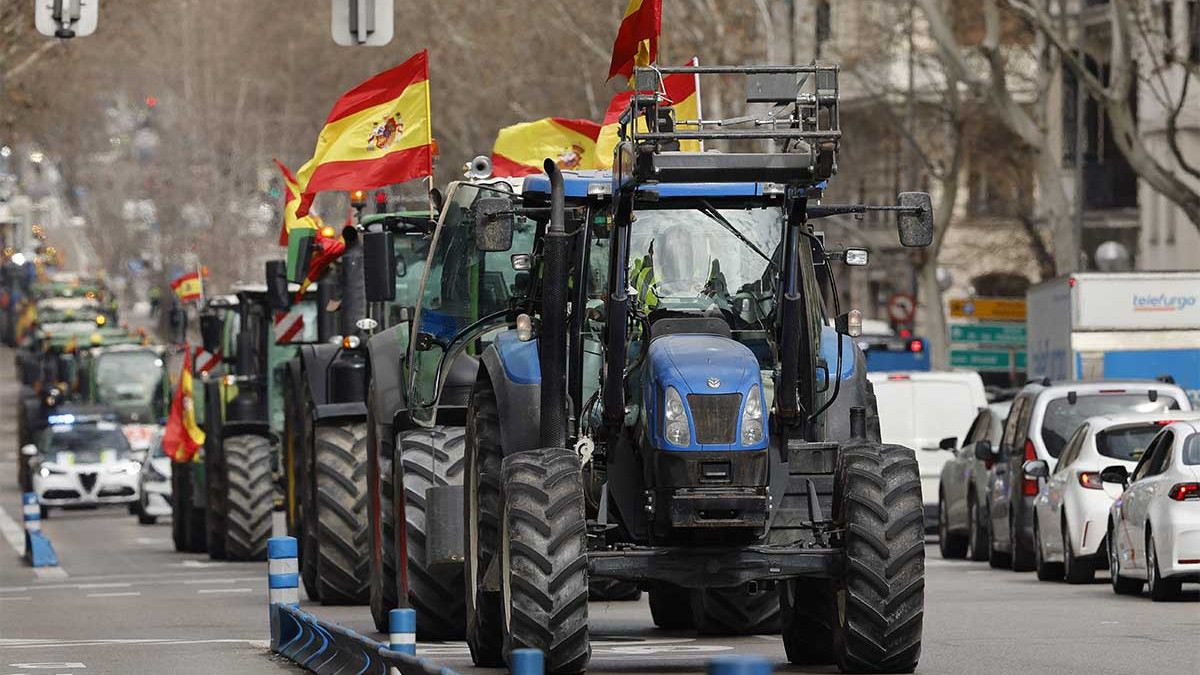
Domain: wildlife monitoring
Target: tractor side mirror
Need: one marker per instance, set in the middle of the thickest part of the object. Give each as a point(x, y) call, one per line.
point(984, 451)
point(210, 332)
point(494, 221)
point(1036, 468)
point(914, 222)
point(277, 286)
point(379, 266)
point(1115, 474)
point(305, 247)
point(948, 443)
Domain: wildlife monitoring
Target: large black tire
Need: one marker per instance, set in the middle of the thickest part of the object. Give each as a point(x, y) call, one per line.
point(1046, 570)
point(978, 537)
point(432, 458)
point(181, 498)
point(382, 523)
point(482, 505)
point(881, 594)
point(808, 610)
point(613, 590)
point(544, 561)
point(249, 498)
point(736, 611)
point(216, 486)
point(1120, 585)
point(196, 522)
point(1161, 589)
point(306, 486)
point(1075, 570)
point(343, 561)
point(952, 546)
point(671, 606)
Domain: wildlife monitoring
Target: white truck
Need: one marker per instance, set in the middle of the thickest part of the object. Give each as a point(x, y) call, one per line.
point(1097, 325)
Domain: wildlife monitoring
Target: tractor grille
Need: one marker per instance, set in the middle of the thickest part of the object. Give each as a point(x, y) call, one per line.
point(88, 481)
point(715, 417)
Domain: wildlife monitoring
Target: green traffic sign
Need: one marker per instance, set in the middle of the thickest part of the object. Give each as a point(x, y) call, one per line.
point(986, 359)
point(989, 333)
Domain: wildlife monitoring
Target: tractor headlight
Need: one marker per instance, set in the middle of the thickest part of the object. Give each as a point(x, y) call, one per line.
point(752, 418)
point(675, 421)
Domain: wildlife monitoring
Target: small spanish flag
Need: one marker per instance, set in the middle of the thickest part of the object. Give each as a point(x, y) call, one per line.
point(188, 287)
point(377, 134)
point(327, 250)
point(522, 149)
point(182, 437)
point(637, 38)
point(682, 90)
point(295, 229)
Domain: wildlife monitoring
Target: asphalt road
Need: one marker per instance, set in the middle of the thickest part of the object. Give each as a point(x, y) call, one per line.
point(124, 602)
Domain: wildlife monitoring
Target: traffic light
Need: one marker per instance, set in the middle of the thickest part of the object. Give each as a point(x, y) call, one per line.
point(151, 101)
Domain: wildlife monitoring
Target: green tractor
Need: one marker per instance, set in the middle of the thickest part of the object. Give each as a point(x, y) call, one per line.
point(130, 378)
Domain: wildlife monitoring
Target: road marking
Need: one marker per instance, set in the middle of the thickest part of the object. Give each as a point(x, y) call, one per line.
point(54, 644)
point(147, 541)
point(225, 590)
point(17, 597)
point(14, 589)
point(114, 595)
point(13, 533)
point(83, 587)
point(55, 573)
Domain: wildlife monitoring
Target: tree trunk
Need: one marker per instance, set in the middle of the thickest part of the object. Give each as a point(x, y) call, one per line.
point(1054, 210)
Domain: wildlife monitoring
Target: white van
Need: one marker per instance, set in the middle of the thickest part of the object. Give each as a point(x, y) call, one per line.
point(921, 409)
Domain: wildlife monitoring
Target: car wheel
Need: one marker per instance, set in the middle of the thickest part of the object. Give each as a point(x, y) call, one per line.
point(951, 545)
point(1046, 571)
point(996, 558)
point(978, 537)
point(1022, 557)
point(1075, 570)
point(1120, 585)
point(1160, 589)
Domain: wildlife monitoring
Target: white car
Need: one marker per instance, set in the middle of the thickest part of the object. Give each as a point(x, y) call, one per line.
point(1154, 527)
point(1071, 509)
point(925, 411)
point(83, 463)
point(154, 484)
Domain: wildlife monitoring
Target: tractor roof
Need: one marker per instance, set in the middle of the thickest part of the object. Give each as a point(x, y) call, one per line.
point(579, 183)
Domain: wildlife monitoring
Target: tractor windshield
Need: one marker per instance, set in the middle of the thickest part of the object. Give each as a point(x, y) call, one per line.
point(129, 381)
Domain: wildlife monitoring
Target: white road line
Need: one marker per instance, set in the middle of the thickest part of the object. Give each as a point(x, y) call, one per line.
point(55, 573)
point(53, 644)
point(14, 589)
point(13, 533)
point(114, 595)
point(83, 587)
point(196, 582)
point(17, 597)
point(225, 590)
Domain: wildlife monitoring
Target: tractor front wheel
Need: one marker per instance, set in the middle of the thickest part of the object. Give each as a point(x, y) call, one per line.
point(249, 496)
point(342, 558)
point(482, 487)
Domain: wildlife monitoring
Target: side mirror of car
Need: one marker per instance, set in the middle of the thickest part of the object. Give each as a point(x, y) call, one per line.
point(1115, 474)
point(948, 443)
point(1036, 468)
point(28, 450)
point(984, 451)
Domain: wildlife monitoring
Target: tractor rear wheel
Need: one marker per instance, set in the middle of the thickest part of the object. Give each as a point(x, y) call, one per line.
point(382, 523)
point(482, 458)
point(880, 597)
point(736, 611)
point(544, 566)
point(671, 606)
point(249, 496)
point(181, 503)
point(431, 458)
point(341, 505)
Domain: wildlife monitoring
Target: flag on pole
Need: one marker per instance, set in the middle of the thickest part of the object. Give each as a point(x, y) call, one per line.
point(682, 90)
point(182, 437)
point(291, 200)
point(637, 38)
point(522, 149)
point(189, 287)
point(327, 250)
point(377, 134)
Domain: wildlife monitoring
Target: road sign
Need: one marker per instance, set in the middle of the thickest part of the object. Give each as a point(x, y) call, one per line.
point(989, 333)
point(986, 359)
point(363, 23)
point(901, 307)
point(66, 18)
point(995, 309)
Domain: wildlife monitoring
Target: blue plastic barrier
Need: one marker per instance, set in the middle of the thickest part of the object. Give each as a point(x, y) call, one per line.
point(38, 550)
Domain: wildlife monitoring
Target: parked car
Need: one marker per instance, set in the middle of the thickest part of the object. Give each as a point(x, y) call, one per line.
point(82, 462)
point(1071, 510)
point(1154, 527)
point(1042, 419)
point(923, 411)
point(962, 492)
point(154, 484)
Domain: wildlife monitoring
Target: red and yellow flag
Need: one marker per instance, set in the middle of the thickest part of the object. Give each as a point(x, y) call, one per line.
point(182, 437)
point(188, 287)
point(291, 201)
point(637, 38)
point(328, 249)
point(682, 90)
point(522, 149)
point(377, 134)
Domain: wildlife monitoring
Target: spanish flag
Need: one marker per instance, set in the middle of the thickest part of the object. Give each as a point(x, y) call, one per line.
point(327, 250)
point(522, 149)
point(637, 38)
point(300, 227)
point(377, 134)
point(188, 287)
point(682, 90)
point(182, 437)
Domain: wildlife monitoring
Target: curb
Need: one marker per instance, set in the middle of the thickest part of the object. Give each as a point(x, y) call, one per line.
point(38, 550)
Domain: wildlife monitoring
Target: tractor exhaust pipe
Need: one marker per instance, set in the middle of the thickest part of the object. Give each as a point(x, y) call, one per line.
point(354, 290)
point(552, 343)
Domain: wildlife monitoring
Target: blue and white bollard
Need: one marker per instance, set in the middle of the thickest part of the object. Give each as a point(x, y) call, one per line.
point(283, 571)
point(402, 631)
point(38, 551)
point(527, 662)
point(735, 664)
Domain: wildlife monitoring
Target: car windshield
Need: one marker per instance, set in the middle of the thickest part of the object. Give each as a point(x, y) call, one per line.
point(85, 444)
point(128, 377)
point(1126, 443)
point(1191, 450)
point(1063, 417)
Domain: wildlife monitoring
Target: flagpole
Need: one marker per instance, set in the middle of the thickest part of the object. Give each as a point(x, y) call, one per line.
point(200, 278)
point(699, 101)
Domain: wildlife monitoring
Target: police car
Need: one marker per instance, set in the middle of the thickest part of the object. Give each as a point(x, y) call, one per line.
point(82, 460)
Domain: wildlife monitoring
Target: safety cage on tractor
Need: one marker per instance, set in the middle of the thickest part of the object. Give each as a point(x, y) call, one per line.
point(673, 399)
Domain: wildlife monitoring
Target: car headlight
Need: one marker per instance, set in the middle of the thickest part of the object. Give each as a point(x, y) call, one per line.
point(676, 429)
point(752, 418)
point(47, 471)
